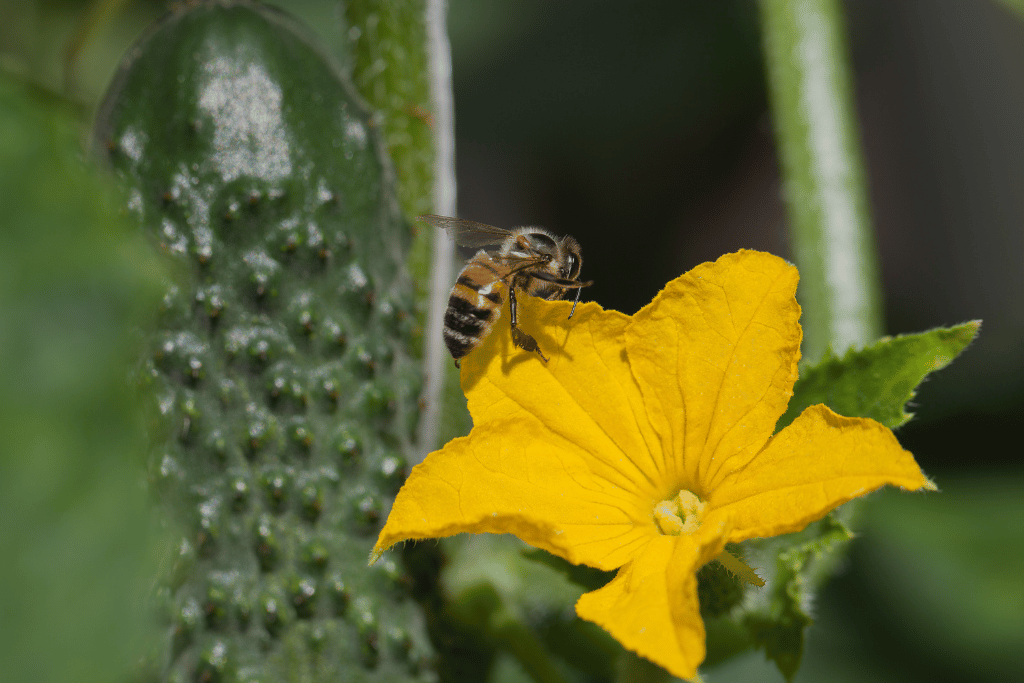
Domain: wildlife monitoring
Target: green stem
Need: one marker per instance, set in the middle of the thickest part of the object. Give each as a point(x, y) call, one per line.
point(402, 66)
point(389, 44)
point(484, 612)
point(823, 174)
point(632, 668)
point(436, 369)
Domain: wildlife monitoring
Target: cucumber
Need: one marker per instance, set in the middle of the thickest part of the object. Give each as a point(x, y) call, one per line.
point(282, 377)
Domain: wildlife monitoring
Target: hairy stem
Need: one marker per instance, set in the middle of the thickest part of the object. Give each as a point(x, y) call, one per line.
point(823, 173)
point(442, 256)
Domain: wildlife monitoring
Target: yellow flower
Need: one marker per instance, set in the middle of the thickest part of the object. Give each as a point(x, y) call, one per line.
point(645, 445)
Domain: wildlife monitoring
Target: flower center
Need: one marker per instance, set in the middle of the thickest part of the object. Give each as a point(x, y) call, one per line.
point(680, 514)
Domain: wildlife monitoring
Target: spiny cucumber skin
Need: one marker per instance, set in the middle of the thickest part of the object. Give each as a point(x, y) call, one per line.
point(282, 380)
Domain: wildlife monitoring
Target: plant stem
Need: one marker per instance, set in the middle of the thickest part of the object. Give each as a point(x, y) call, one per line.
point(483, 611)
point(632, 668)
point(442, 250)
point(823, 174)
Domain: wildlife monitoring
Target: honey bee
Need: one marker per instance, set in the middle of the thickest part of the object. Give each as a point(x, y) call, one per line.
point(530, 260)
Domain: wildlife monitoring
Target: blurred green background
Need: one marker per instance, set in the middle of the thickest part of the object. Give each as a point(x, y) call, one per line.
point(643, 131)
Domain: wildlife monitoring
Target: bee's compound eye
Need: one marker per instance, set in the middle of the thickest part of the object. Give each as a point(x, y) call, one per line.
point(572, 267)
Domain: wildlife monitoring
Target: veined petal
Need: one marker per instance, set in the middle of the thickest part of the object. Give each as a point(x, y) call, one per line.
point(514, 476)
point(651, 605)
point(815, 464)
point(584, 394)
point(715, 355)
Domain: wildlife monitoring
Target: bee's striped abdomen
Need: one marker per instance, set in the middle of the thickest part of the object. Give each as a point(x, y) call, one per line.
point(473, 306)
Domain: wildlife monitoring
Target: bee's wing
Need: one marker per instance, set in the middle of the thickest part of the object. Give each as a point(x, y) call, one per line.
point(468, 233)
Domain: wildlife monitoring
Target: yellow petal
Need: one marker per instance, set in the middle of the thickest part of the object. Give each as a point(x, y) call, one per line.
point(515, 477)
point(651, 605)
point(585, 394)
point(715, 355)
point(815, 464)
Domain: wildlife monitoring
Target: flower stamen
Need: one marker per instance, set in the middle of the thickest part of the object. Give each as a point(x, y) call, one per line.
point(680, 514)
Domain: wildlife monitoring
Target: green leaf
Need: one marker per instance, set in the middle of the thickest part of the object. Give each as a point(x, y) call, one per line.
point(776, 618)
point(879, 380)
point(75, 531)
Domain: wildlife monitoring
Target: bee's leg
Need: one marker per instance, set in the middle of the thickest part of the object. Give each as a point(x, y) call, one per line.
point(519, 338)
point(458, 363)
point(576, 301)
point(526, 342)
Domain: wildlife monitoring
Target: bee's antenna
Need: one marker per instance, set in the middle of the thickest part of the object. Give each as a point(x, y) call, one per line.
point(578, 289)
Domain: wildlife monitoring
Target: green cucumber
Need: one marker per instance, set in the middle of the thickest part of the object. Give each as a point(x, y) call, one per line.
point(282, 377)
